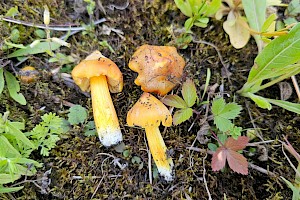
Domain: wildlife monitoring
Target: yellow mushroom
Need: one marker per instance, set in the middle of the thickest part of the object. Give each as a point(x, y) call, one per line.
point(149, 112)
point(101, 76)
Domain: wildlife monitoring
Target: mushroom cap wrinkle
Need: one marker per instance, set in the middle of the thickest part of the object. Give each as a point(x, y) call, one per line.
point(149, 111)
point(160, 68)
point(96, 65)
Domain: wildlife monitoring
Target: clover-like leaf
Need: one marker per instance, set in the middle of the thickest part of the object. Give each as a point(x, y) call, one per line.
point(228, 151)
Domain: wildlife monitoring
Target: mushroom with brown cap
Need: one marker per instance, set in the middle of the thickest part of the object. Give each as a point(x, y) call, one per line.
point(148, 113)
point(160, 68)
point(101, 76)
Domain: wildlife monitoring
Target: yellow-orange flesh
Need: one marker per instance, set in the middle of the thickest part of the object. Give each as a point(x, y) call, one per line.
point(105, 117)
point(158, 150)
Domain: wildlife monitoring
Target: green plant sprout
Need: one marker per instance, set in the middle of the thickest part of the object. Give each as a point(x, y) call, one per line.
point(277, 61)
point(223, 113)
point(198, 11)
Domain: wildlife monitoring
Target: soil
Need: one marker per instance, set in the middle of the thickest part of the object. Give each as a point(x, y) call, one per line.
point(82, 168)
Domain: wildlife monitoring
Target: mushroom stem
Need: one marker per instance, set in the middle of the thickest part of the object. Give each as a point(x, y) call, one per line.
point(158, 150)
point(105, 117)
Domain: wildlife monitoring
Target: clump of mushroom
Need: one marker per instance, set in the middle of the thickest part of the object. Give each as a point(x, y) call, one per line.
point(149, 112)
point(101, 76)
point(160, 68)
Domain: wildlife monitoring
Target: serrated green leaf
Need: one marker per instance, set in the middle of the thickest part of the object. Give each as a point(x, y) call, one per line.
point(189, 92)
point(77, 114)
point(260, 101)
point(13, 88)
point(223, 124)
point(182, 115)
point(39, 48)
point(10, 189)
point(255, 11)
point(227, 111)
point(174, 101)
point(293, 107)
point(1, 81)
point(278, 54)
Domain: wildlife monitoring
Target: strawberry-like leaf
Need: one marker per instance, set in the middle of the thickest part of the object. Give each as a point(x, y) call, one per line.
point(237, 162)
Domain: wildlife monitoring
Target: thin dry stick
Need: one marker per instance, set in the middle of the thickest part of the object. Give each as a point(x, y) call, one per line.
point(288, 159)
point(204, 179)
point(219, 55)
point(66, 28)
point(262, 170)
point(97, 187)
point(149, 160)
point(296, 86)
point(252, 121)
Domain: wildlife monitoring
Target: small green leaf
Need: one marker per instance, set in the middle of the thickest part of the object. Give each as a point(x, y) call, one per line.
point(12, 12)
point(212, 146)
point(77, 114)
point(260, 101)
point(182, 115)
point(184, 7)
point(189, 92)
point(223, 113)
point(39, 48)
point(174, 101)
point(293, 107)
point(10, 189)
point(227, 111)
point(213, 7)
point(15, 35)
point(293, 8)
point(1, 81)
point(188, 24)
point(40, 33)
point(13, 88)
point(9, 178)
point(271, 19)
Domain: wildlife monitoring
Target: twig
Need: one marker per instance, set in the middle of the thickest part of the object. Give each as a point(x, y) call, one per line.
point(204, 179)
point(55, 28)
point(97, 187)
point(219, 55)
point(149, 161)
point(252, 121)
point(258, 143)
point(290, 162)
point(262, 170)
point(296, 86)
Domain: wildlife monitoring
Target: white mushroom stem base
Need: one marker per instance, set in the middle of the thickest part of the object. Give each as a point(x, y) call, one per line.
point(158, 150)
point(105, 117)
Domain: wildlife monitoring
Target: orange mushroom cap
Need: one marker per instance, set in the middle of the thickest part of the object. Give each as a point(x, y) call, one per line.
point(28, 74)
point(149, 111)
point(91, 67)
point(160, 68)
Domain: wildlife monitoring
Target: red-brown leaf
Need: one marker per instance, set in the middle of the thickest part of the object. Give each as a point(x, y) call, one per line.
point(238, 144)
point(237, 162)
point(219, 159)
